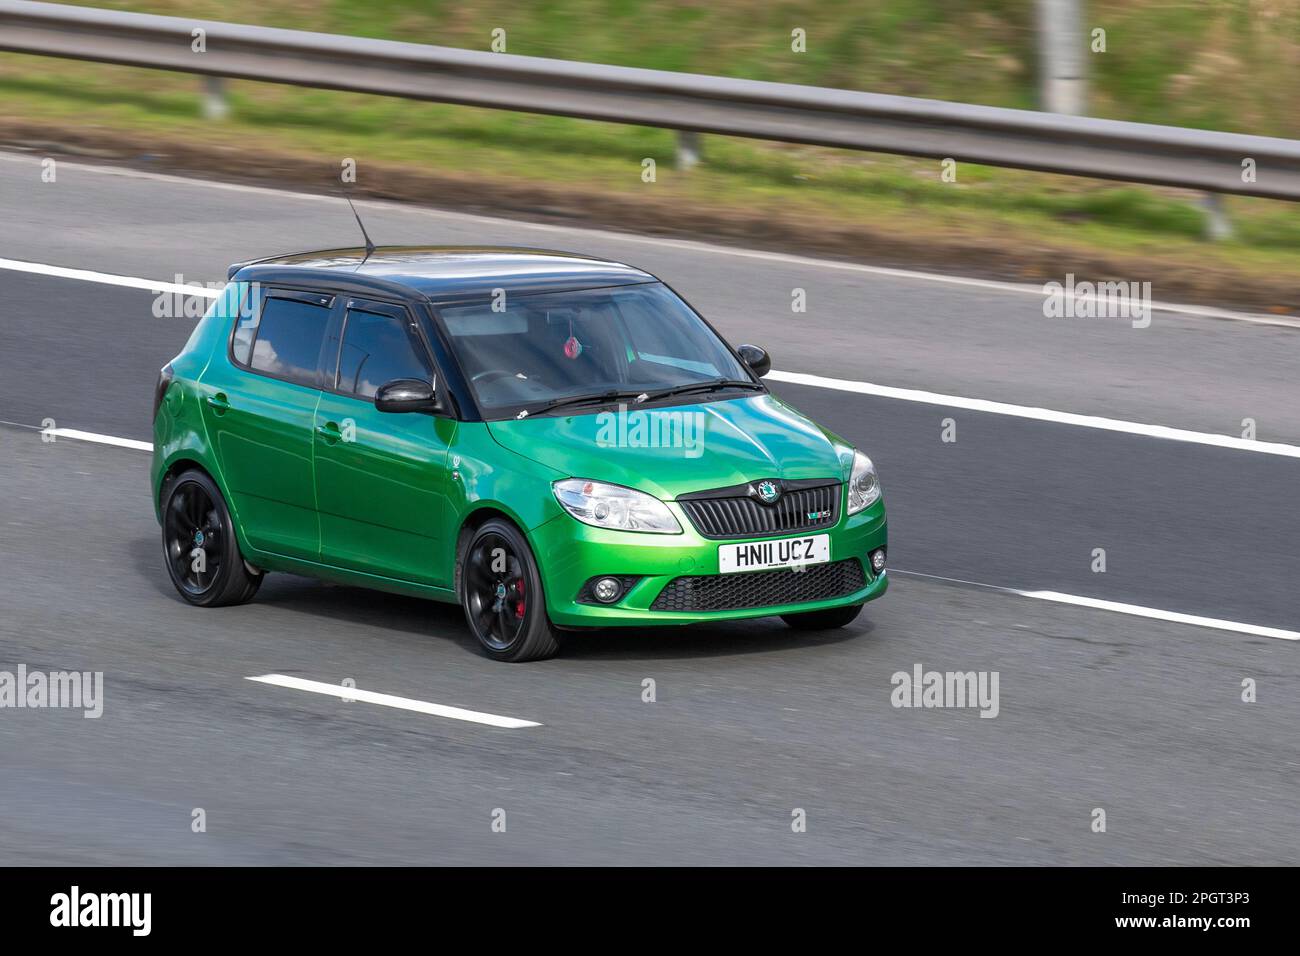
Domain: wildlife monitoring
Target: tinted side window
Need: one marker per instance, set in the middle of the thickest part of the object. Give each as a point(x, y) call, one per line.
point(289, 338)
point(376, 350)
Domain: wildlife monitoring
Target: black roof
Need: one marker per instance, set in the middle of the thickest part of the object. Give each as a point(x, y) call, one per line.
point(444, 273)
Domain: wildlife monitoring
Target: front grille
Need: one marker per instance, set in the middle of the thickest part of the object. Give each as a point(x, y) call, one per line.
point(734, 513)
point(751, 589)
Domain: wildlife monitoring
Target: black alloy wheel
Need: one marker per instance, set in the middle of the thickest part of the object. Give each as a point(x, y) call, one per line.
point(199, 546)
point(501, 591)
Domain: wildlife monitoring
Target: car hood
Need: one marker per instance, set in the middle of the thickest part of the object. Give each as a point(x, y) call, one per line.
point(669, 451)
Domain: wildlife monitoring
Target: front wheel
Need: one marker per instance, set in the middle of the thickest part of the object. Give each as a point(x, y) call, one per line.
point(823, 620)
point(199, 545)
point(501, 591)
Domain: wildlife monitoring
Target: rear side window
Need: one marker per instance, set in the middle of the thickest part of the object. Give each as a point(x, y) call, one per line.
point(250, 308)
point(377, 349)
point(287, 340)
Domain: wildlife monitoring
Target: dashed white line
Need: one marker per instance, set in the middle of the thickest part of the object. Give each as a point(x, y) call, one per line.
point(1039, 414)
point(99, 439)
point(388, 700)
point(56, 433)
point(1175, 617)
point(1134, 610)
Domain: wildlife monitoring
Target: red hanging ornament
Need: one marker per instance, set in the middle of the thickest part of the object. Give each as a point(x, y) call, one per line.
point(572, 347)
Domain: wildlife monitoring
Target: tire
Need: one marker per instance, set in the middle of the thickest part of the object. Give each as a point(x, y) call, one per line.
point(501, 592)
point(195, 518)
point(823, 620)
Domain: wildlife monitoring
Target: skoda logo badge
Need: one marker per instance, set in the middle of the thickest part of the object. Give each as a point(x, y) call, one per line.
point(768, 492)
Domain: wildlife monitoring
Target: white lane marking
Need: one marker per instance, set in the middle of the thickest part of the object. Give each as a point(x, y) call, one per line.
point(87, 436)
point(107, 278)
point(916, 395)
point(800, 378)
point(1060, 598)
point(1134, 610)
point(388, 700)
point(685, 245)
point(1039, 414)
point(1174, 616)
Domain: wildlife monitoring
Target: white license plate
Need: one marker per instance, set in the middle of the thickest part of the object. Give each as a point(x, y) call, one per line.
point(780, 553)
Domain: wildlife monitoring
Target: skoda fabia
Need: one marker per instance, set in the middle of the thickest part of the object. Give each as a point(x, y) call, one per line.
point(552, 441)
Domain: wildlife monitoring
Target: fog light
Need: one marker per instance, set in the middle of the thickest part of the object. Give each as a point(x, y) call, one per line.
point(607, 590)
point(878, 560)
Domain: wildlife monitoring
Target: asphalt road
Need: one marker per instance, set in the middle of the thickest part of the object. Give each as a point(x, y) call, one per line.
point(1140, 717)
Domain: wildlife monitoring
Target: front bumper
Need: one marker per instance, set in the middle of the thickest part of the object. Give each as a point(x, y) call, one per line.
point(571, 553)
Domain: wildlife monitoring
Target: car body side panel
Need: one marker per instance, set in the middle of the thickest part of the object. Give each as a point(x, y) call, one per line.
point(382, 490)
point(263, 444)
point(361, 579)
point(483, 475)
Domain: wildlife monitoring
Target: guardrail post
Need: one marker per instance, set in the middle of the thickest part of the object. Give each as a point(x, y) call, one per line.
point(688, 149)
point(1063, 86)
point(215, 104)
point(1217, 224)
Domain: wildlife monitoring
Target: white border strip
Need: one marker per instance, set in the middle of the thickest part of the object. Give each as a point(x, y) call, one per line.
point(106, 278)
point(688, 245)
point(388, 700)
point(1039, 414)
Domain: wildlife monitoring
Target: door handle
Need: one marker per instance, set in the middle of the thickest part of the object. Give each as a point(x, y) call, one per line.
point(219, 403)
point(329, 431)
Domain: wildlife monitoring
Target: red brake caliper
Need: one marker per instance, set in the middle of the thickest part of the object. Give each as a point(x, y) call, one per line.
point(519, 604)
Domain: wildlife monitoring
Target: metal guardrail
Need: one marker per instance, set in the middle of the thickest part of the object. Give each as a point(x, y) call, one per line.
point(1106, 149)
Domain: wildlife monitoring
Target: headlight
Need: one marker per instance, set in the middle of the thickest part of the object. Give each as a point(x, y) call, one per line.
point(864, 486)
point(613, 506)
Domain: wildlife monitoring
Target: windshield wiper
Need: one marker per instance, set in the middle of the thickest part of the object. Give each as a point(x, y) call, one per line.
point(615, 395)
point(610, 396)
point(716, 385)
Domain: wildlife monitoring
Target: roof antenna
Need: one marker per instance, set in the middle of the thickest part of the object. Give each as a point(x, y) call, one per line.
point(370, 246)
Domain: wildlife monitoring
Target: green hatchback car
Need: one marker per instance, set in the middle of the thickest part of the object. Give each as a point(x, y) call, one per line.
point(552, 441)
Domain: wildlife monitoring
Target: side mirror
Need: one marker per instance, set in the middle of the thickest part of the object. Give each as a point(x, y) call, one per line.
point(406, 395)
point(756, 358)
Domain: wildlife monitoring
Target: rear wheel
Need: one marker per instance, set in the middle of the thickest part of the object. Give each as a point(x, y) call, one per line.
point(199, 545)
point(501, 591)
point(823, 620)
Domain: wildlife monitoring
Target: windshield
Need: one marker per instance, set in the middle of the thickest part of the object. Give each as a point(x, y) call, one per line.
point(523, 353)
